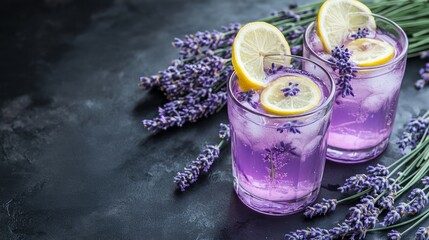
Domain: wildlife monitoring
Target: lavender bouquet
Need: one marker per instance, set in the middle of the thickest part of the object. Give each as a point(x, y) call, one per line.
point(378, 191)
point(195, 82)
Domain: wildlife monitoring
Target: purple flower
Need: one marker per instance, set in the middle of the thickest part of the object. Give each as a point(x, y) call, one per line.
point(425, 181)
point(413, 134)
point(424, 74)
point(327, 205)
point(422, 233)
point(289, 127)
point(379, 170)
point(340, 57)
point(418, 200)
point(292, 90)
point(391, 217)
point(201, 164)
point(309, 233)
point(149, 82)
point(225, 131)
point(394, 235)
point(361, 33)
point(355, 183)
point(274, 69)
point(199, 103)
point(388, 201)
point(340, 231)
point(248, 97)
point(296, 50)
point(362, 217)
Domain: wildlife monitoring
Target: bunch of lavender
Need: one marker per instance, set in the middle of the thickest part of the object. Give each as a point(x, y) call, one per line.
point(203, 162)
point(377, 191)
point(204, 59)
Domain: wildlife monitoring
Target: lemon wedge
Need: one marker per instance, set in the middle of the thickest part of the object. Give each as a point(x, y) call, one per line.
point(336, 19)
point(274, 101)
point(367, 52)
point(253, 42)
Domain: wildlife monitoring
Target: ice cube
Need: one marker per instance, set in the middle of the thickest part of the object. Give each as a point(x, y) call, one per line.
point(374, 102)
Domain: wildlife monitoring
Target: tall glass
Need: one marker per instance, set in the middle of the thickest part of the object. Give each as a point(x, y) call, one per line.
point(361, 124)
point(278, 161)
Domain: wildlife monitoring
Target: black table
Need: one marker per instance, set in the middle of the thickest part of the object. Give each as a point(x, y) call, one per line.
point(75, 160)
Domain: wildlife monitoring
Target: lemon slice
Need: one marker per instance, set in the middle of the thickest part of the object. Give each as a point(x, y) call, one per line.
point(367, 52)
point(274, 101)
point(338, 18)
point(253, 42)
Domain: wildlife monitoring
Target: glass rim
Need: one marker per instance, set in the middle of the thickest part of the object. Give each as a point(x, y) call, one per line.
point(394, 61)
point(315, 110)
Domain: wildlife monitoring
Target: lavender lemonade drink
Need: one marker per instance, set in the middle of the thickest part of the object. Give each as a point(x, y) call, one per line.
point(367, 59)
point(279, 115)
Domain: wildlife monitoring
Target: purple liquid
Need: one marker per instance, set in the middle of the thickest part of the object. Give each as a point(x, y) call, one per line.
point(361, 125)
point(277, 172)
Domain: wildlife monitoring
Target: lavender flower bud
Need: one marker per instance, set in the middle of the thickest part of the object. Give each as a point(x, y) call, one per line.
point(248, 97)
point(424, 74)
point(327, 205)
point(296, 50)
point(309, 233)
point(202, 163)
point(147, 83)
point(394, 235)
point(289, 127)
point(225, 131)
point(391, 217)
point(388, 201)
point(361, 33)
point(379, 170)
point(413, 134)
point(355, 183)
point(425, 181)
point(292, 90)
point(422, 233)
point(340, 231)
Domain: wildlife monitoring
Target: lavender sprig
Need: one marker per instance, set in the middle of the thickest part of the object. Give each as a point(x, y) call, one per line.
point(340, 57)
point(327, 205)
point(203, 162)
point(394, 235)
point(194, 106)
point(413, 134)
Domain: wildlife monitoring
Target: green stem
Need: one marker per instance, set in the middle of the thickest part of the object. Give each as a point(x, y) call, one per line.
point(416, 223)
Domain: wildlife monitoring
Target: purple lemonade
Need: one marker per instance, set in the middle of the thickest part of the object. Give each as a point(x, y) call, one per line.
point(278, 161)
point(362, 122)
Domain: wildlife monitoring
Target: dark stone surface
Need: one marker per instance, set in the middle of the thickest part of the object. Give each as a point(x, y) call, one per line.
point(75, 161)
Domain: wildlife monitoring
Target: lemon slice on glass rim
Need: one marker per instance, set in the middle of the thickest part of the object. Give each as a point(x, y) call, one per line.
point(369, 52)
point(274, 101)
point(252, 44)
point(336, 19)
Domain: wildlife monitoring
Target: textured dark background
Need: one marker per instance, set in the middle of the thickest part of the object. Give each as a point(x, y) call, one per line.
point(75, 160)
